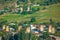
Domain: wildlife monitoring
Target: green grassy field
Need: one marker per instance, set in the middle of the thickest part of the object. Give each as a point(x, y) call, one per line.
point(52, 11)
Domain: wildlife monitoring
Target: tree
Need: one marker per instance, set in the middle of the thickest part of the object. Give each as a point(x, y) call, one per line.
point(34, 37)
point(33, 19)
point(51, 21)
point(1, 12)
point(48, 38)
point(7, 1)
point(3, 22)
point(11, 38)
point(3, 38)
point(45, 35)
point(58, 23)
point(16, 36)
point(22, 0)
point(35, 8)
point(22, 34)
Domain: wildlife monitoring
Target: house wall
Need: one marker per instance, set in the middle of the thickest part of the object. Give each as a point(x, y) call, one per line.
point(0, 38)
point(28, 30)
point(3, 27)
point(50, 28)
point(42, 27)
point(7, 28)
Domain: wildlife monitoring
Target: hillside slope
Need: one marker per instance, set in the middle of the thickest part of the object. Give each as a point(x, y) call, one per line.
point(53, 11)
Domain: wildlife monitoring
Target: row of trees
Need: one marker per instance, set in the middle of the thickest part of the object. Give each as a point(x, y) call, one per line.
point(42, 2)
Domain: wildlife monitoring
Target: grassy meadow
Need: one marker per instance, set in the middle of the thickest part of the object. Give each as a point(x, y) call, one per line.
point(51, 11)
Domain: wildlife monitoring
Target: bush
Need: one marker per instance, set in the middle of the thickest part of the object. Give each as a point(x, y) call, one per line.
point(1, 12)
point(43, 8)
point(35, 8)
point(32, 19)
point(51, 21)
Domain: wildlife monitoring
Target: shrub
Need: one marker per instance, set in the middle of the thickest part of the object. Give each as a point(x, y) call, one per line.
point(1, 12)
point(35, 8)
point(33, 19)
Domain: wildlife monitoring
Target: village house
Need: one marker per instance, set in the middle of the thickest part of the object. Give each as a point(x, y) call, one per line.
point(19, 28)
point(11, 29)
point(42, 27)
point(51, 29)
point(28, 30)
point(3, 27)
point(21, 9)
point(33, 28)
point(28, 9)
point(7, 28)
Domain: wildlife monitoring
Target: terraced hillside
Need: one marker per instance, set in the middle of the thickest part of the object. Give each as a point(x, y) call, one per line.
point(51, 11)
